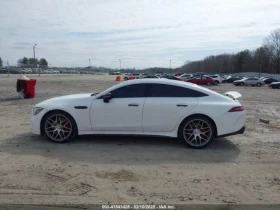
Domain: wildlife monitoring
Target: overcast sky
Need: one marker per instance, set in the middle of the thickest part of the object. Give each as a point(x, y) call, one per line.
point(142, 33)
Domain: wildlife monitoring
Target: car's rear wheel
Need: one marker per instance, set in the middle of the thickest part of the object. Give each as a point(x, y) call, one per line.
point(196, 132)
point(125, 78)
point(58, 126)
point(241, 84)
point(216, 83)
point(258, 84)
point(208, 83)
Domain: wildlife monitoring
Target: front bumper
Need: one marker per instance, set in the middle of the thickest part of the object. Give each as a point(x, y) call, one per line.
point(35, 121)
point(241, 131)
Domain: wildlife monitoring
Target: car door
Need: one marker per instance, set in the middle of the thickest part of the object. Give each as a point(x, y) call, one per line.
point(166, 105)
point(122, 113)
point(196, 80)
point(249, 81)
point(204, 80)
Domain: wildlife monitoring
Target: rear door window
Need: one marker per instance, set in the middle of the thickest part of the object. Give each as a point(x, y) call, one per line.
point(172, 91)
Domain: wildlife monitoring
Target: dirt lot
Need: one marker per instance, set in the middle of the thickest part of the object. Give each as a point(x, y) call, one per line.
point(238, 169)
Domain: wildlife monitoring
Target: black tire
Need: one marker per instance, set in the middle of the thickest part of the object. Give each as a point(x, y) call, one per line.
point(241, 84)
point(125, 78)
point(185, 123)
point(216, 82)
point(258, 84)
point(73, 133)
point(278, 86)
point(208, 83)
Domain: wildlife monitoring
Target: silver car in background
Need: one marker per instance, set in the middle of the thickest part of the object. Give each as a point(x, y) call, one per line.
point(253, 81)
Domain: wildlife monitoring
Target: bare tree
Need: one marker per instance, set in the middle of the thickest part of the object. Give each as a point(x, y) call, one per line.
point(272, 43)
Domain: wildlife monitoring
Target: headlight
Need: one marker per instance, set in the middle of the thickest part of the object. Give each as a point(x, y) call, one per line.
point(37, 110)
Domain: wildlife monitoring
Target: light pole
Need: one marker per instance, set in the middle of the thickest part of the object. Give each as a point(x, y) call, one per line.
point(34, 51)
point(35, 57)
point(120, 64)
point(89, 62)
point(170, 64)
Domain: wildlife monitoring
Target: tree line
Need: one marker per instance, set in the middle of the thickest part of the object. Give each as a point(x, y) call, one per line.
point(31, 62)
point(265, 59)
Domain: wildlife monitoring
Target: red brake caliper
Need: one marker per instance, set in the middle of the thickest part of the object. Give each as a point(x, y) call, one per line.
point(67, 125)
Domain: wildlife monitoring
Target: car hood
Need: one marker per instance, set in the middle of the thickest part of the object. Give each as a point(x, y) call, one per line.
point(273, 83)
point(73, 98)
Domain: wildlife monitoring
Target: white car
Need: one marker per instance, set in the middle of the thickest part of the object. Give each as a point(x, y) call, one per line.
point(137, 76)
point(157, 107)
point(185, 77)
point(253, 81)
point(217, 79)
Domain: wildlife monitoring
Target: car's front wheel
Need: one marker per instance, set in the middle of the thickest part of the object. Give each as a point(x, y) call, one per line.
point(258, 84)
point(208, 83)
point(196, 131)
point(241, 84)
point(216, 82)
point(125, 78)
point(59, 126)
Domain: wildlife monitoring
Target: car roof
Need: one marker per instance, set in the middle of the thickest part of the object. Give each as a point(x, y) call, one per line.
point(164, 81)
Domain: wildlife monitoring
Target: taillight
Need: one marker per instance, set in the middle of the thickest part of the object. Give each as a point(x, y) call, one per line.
point(237, 109)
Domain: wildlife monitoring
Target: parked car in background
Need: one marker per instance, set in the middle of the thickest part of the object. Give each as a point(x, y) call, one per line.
point(217, 79)
point(269, 80)
point(170, 77)
point(262, 78)
point(136, 75)
point(253, 81)
point(194, 114)
point(150, 77)
point(231, 79)
point(201, 80)
point(178, 74)
point(26, 71)
point(274, 85)
point(3, 70)
point(185, 77)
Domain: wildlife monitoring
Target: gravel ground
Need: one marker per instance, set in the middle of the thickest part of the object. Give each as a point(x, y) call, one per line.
point(242, 169)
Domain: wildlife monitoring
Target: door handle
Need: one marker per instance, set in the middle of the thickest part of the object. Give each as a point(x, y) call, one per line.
point(133, 104)
point(182, 105)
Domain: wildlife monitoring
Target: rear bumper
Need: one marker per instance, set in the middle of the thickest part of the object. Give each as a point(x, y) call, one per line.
point(241, 131)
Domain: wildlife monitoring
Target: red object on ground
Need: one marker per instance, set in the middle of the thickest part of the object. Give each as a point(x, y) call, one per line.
point(131, 77)
point(202, 81)
point(30, 88)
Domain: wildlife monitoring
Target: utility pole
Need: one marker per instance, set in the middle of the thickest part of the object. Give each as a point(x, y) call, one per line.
point(170, 64)
point(120, 64)
point(35, 58)
point(89, 62)
point(260, 70)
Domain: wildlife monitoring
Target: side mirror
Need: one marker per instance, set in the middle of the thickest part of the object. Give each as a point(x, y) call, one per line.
point(107, 97)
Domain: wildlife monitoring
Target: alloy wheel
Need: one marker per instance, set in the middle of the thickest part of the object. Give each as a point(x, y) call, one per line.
point(58, 127)
point(197, 132)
